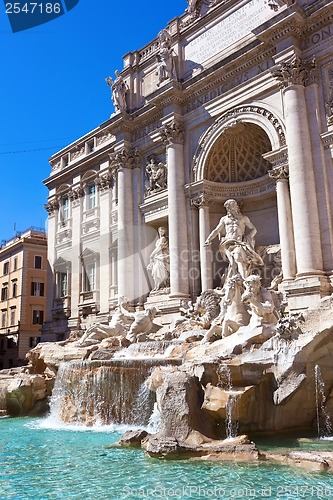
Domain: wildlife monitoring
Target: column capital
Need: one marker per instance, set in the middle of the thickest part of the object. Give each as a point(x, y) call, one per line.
point(200, 201)
point(279, 173)
point(124, 158)
point(105, 181)
point(296, 71)
point(52, 206)
point(172, 133)
point(76, 193)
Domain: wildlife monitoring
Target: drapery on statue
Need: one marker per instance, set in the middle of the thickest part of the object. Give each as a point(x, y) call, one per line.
point(157, 175)
point(166, 67)
point(119, 90)
point(159, 264)
point(236, 246)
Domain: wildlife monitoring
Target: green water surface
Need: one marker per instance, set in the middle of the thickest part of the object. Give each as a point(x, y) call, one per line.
point(38, 463)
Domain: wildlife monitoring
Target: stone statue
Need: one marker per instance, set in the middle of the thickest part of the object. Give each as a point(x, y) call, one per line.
point(166, 67)
point(159, 264)
point(192, 7)
point(236, 246)
point(157, 175)
point(118, 326)
point(142, 325)
point(260, 302)
point(119, 90)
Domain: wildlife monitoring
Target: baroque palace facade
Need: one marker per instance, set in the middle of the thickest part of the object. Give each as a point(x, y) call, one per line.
point(232, 100)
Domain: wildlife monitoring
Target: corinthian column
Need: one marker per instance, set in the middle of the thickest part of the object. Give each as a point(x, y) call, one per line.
point(123, 162)
point(173, 137)
point(293, 77)
point(287, 243)
point(202, 203)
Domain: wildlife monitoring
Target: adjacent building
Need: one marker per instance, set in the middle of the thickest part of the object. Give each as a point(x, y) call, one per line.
point(233, 99)
point(23, 272)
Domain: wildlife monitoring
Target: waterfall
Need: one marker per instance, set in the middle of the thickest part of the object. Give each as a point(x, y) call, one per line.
point(3, 404)
point(324, 425)
point(224, 382)
point(103, 392)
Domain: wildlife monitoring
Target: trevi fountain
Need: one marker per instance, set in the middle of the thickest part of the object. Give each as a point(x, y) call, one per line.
point(170, 383)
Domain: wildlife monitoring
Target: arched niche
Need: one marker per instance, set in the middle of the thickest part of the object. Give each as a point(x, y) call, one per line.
point(230, 163)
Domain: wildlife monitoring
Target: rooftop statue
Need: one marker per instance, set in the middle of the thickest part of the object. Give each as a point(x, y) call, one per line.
point(119, 90)
point(166, 64)
point(236, 246)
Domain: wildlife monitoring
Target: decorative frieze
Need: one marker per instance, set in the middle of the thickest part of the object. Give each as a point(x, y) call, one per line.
point(157, 175)
point(295, 72)
point(172, 133)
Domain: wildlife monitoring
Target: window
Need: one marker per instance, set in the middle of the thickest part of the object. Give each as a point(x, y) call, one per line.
point(37, 317)
point(4, 293)
point(91, 197)
point(3, 319)
point(14, 289)
point(65, 208)
point(90, 277)
point(12, 316)
point(38, 262)
point(6, 268)
point(62, 284)
point(33, 341)
point(15, 264)
point(37, 289)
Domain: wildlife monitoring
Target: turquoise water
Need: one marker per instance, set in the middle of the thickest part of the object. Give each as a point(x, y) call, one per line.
point(42, 463)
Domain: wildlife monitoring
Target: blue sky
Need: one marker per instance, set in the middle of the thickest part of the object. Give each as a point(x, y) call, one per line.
point(53, 91)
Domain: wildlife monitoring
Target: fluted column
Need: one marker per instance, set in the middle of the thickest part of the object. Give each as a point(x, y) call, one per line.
point(173, 137)
point(123, 162)
point(202, 203)
point(293, 76)
point(287, 243)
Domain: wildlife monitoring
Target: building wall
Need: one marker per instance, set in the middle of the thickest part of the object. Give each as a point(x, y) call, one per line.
point(17, 311)
point(245, 72)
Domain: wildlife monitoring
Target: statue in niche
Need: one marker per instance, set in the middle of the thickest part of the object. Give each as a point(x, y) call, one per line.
point(159, 264)
point(166, 65)
point(157, 175)
point(119, 91)
point(236, 246)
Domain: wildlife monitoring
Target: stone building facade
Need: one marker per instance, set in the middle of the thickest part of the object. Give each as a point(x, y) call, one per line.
point(233, 99)
point(23, 272)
